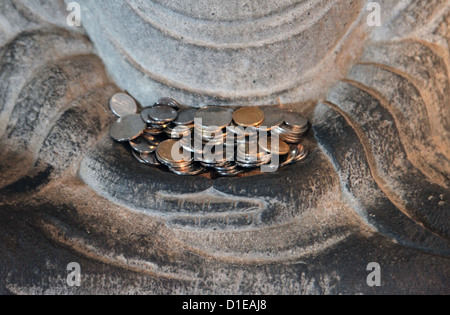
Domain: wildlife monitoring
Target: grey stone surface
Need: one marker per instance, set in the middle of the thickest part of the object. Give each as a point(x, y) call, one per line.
point(237, 52)
point(374, 189)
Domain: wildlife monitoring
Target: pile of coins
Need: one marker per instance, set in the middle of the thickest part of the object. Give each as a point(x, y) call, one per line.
point(227, 141)
point(293, 128)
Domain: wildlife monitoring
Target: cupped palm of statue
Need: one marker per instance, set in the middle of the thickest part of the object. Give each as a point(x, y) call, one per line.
point(375, 186)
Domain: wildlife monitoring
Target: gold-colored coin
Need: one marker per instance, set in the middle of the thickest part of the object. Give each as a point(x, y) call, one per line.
point(167, 148)
point(248, 117)
point(280, 148)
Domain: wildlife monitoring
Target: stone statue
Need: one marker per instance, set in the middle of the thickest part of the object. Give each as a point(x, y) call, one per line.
point(374, 191)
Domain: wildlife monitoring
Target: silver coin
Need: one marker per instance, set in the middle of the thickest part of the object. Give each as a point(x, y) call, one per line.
point(286, 160)
point(163, 114)
point(144, 144)
point(253, 163)
point(154, 131)
point(177, 166)
point(290, 140)
point(253, 159)
point(167, 102)
point(190, 147)
point(248, 166)
point(156, 126)
point(273, 117)
point(145, 116)
point(137, 157)
point(170, 134)
point(127, 128)
point(295, 120)
point(230, 173)
point(207, 135)
point(122, 105)
point(185, 117)
point(289, 134)
point(292, 131)
point(214, 117)
point(219, 140)
point(290, 158)
point(177, 132)
point(193, 170)
point(212, 160)
point(250, 152)
point(187, 146)
point(150, 159)
point(302, 154)
point(214, 165)
point(242, 132)
point(228, 166)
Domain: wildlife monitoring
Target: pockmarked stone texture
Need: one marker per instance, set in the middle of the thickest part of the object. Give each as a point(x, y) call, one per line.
point(375, 187)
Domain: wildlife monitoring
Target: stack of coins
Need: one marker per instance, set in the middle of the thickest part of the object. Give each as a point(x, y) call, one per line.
point(214, 121)
point(222, 166)
point(183, 125)
point(251, 156)
point(279, 148)
point(213, 158)
point(253, 151)
point(189, 141)
point(181, 163)
point(293, 129)
point(228, 169)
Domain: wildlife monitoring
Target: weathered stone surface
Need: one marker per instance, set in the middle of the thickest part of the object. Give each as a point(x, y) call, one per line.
point(407, 187)
point(242, 52)
point(372, 201)
point(375, 187)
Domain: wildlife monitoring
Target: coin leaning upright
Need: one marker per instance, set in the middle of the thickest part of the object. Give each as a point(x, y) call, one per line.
point(122, 105)
point(167, 102)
